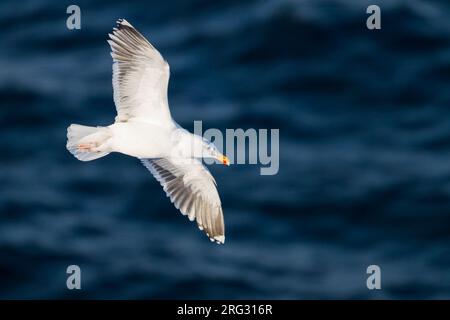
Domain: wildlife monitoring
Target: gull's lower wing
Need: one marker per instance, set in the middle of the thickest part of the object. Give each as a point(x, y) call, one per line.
point(192, 189)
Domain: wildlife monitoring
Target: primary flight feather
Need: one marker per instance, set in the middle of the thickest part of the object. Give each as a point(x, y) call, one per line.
point(144, 129)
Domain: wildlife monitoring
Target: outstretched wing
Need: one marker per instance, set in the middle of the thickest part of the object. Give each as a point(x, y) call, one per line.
point(140, 76)
point(192, 189)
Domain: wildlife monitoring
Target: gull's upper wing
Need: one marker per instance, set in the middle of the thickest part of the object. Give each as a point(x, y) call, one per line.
point(192, 189)
point(140, 76)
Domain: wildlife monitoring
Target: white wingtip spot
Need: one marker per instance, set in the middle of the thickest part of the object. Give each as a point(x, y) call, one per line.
point(123, 22)
point(220, 239)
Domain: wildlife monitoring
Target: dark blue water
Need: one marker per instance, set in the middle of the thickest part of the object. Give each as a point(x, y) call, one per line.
point(364, 119)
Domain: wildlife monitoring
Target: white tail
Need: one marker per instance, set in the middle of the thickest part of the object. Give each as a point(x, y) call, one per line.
point(87, 143)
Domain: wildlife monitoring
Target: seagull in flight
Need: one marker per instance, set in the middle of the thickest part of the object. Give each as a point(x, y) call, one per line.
point(144, 128)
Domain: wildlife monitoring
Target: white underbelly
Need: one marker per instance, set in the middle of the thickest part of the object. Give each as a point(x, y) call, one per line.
point(139, 139)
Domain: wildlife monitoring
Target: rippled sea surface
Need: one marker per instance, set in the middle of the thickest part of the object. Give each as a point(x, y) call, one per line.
point(364, 119)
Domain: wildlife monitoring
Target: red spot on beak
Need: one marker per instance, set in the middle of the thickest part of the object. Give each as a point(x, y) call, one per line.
point(225, 160)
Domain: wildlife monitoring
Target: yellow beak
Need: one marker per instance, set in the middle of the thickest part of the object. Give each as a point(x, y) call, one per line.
point(224, 160)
